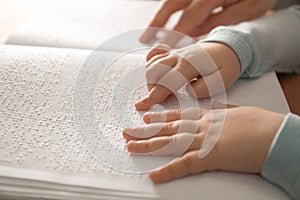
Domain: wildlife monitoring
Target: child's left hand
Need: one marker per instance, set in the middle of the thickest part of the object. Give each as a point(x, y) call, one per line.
point(243, 145)
point(204, 66)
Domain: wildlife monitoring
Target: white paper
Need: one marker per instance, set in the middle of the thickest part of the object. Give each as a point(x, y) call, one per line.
point(40, 136)
point(89, 24)
point(84, 24)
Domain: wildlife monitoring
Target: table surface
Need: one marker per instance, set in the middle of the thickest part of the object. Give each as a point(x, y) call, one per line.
point(15, 12)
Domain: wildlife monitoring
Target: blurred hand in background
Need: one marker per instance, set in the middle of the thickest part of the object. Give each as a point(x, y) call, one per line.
point(201, 16)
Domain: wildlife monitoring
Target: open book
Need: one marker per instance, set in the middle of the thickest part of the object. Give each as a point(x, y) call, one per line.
point(63, 107)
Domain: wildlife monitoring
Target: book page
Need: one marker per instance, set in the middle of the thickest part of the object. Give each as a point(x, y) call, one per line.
point(114, 25)
point(86, 24)
point(62, 112)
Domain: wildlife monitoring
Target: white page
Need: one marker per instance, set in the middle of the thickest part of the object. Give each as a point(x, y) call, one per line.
point(84, 24)
point(88, 24)
point(41, 138)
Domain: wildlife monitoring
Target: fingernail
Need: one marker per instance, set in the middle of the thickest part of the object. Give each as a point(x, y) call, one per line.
point(147, 118)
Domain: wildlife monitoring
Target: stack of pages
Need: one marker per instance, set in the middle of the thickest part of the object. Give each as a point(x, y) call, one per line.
point(63, 106)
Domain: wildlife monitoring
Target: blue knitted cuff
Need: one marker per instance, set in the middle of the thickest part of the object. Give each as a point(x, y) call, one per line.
point(237, 41)
point(282, 166)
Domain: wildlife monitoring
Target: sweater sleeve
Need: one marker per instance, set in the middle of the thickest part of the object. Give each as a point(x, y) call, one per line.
point(282, 166)
point(268, 43)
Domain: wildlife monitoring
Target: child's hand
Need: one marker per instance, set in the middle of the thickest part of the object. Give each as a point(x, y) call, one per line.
point(198, 17)
point(243, 145)
point(212, 64)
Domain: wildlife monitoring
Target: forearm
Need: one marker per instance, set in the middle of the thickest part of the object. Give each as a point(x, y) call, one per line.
point(264, 44)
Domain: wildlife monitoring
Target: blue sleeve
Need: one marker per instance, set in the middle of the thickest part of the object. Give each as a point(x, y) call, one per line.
point(268, 43)
point(282, 166)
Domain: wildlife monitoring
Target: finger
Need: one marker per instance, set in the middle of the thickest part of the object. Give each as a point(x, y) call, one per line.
point(179, 75)
point(198, 34)
point(234, 14)
point(174, 79)
point(161, 17)
point(198, 58)
point(170, 82)
point(158, 68)
point(146, 146)
point(194, 15)
point(198, 89)
point(165, 116)
point(158, 49)
point(223, 18)
point(171, 38)
point(161, 129)
point(173, 115)
point(185, 165)
point(218, 105)
point(155, 58)
point(167, 145)
point(211, 84)
point(157, 94)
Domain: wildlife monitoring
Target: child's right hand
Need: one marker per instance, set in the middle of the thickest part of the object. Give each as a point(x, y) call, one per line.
point(246, 134)
point(202, 65)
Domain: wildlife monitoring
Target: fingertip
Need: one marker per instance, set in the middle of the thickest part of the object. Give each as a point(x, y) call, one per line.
point(146, 118)
point(148, 34)
point(143, 104)
point(154, 52)
point(155, 176)
point(149, 55)
point(131, 145)
point(140, 105)
point(147, 64)
point(128, 130)
point(156, 95)
point(144, 38)
point(126, 136)
point(160, 48)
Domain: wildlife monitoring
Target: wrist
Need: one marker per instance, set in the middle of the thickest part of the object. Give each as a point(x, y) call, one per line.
point(225, 59)
point(222, 54)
